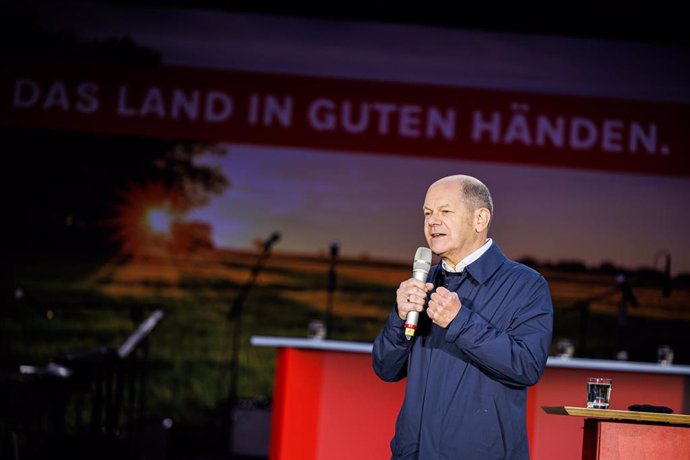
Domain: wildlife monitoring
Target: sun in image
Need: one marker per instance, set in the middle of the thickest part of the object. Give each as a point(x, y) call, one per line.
point(159, 220)
point(146, 220)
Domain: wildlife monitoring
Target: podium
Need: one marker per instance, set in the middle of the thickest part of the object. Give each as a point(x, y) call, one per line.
point(630, 435)
point(329, 405)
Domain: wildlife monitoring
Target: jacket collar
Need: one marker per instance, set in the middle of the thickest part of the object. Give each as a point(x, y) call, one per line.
point(483, 268)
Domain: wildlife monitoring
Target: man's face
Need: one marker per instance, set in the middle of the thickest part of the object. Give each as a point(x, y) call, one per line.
point(448, 224)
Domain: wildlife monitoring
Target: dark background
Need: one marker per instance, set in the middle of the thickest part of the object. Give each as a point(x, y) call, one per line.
point(660, 21)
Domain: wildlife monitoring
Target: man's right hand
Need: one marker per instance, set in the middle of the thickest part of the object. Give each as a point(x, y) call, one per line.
point(411, 295)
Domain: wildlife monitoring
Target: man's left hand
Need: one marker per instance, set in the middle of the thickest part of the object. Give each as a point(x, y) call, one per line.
point(444, 306)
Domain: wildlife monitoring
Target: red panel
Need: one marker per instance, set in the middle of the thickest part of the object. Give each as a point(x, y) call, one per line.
point(532, 409)
point(631, 441)
point(294, 424)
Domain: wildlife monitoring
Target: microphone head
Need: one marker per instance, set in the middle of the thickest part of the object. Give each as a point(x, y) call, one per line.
point(422, 263)
point(275, 236)
point(423, 255)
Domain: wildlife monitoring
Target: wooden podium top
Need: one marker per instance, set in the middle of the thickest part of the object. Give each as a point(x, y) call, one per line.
point(613, 414)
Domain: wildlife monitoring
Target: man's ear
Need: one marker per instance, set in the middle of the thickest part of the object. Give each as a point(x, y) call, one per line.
point(482, 217)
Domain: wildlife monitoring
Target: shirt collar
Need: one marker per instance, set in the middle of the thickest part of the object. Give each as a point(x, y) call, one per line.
point(460, 267)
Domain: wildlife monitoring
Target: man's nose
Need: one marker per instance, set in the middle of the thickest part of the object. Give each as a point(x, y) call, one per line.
point(432, 220)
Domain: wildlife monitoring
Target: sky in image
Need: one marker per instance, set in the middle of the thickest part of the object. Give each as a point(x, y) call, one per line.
point(371, 204)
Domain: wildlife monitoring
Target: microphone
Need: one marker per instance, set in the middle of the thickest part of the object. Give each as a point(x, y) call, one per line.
point(275, 236)
point(420, 271)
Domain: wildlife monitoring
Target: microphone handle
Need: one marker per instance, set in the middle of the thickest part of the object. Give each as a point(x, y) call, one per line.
point(412, 318)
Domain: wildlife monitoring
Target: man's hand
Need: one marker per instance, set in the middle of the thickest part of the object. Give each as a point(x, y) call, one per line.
point(411, 295)
point(444, 306)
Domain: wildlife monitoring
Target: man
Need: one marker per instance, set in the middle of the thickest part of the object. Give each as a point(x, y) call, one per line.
point(484, 338)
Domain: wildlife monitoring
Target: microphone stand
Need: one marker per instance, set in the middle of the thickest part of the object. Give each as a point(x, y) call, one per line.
point(235, 315)
point(627, 298)
point(583, 309)
point(667, 283)
point(331, 287)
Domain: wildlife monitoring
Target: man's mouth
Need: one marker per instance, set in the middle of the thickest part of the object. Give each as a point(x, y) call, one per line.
point(436, 235)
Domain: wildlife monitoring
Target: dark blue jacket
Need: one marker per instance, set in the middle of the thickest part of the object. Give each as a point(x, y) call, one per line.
point(466, 388)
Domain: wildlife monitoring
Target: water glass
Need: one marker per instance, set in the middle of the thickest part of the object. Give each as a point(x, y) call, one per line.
point(598, 392)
